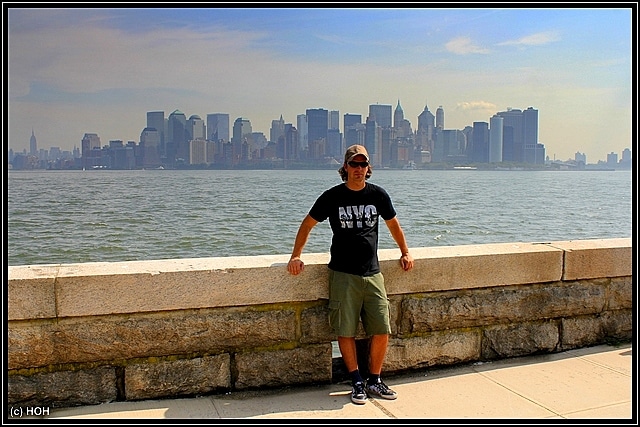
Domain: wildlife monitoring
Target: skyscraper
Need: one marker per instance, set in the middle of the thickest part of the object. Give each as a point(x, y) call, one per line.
point(277, 130)
point(176, 146)
point(303, 131)
point(241, 135)
point(533, 151)
point(440, 118)
point(218, 127)
point(513, 145)
point(381, 114)
point(398, 115)
point(495, 139)
point(149, 140)
point(317, 126)
point(425, 131)
point(33, 145)
point(351, 124)
point(90, 150)
point(480, 151)
point(334, 120)
point(156, 120)
point(195, 128)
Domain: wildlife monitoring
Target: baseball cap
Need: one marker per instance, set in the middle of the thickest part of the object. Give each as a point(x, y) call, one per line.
point(353, 151)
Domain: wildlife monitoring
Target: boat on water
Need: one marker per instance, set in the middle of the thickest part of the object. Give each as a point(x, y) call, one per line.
point(471, 168)
point(409, 166)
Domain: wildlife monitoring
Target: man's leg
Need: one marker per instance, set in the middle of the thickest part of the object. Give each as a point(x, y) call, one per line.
point(375, 385)
point(348, 350)
point(377, 351)
point(349, 356)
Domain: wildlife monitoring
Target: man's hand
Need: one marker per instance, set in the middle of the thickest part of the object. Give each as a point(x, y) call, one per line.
point(406, 261)
point(295, 266)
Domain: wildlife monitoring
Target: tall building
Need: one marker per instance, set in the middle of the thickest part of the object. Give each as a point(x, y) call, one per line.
point(150, 142)
point(317, 126)
point(373, 140)
point(176, 143)
point(440, 118)
point(533, 151)
point(381, 114)
point(277, 130)
point(218, 127)
point(480, 142)
point(513, 145)
point(520, 136)
point(240, 139)
point(196, 128)
point(401, 125)
point(290, 147)
point(334, 120)
point(425, 131)
point(33, 145)
point(90, 150)
point(495, 139)
point(351, 122)
point(197, 151)
point(217, 135)
point(351, 119)
point(157, 121)
point(398, 115)
point(303, 131)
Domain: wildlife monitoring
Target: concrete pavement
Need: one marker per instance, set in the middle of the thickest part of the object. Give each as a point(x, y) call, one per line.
point(586, 383)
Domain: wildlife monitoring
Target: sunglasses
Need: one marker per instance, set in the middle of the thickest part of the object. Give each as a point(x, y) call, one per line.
point(355, 164)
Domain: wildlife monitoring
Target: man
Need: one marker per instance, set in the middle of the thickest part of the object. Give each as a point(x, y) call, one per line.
point(357, 290)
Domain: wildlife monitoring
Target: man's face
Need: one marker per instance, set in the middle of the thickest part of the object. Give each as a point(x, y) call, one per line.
point(357, 167)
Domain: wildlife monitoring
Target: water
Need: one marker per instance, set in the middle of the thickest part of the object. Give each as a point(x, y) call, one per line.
point(88, 216)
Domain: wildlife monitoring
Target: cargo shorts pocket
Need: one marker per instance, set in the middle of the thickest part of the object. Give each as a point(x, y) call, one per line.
point(334, 315)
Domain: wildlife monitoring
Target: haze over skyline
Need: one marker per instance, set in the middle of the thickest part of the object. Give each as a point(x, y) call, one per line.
point(76, 71)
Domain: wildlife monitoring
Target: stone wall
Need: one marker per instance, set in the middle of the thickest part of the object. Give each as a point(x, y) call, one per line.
point(81, 334)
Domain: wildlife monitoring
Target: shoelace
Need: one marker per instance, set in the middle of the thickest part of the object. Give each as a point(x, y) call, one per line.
point(381, 387)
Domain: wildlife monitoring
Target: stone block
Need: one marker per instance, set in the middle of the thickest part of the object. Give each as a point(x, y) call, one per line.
point(64, 388)
point(585, 331)
point(314, 325)
point(93, 289)
point(620, 293)
point(31, 292)
point(183, 377)
point(582, 331)
point(471, 266)
point(104, 338)
point(586, 259)
point(514, 340)
point(478, 307)
point(433, 349)
point(303, 365)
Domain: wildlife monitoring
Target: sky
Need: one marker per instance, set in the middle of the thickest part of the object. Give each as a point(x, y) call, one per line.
point(73, 71)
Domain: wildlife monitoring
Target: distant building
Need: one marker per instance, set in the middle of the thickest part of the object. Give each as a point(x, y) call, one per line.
point(33, 145)
point(317, 127)
point(381, 114)
point(495, 139)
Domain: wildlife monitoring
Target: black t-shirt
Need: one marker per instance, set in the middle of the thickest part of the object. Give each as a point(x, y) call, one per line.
point(353, 216)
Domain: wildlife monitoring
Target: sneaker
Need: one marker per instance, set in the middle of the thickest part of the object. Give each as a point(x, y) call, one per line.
point(380, 389)
point(358, 395)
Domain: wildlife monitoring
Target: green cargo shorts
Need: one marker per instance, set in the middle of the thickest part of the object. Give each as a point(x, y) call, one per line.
point(353, 298)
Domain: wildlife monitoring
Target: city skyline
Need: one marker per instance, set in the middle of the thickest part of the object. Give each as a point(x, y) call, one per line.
point(101, 70)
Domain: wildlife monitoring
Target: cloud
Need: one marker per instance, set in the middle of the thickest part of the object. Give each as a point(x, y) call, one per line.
point(464, 46)
point(475, 106)
point(534, 39)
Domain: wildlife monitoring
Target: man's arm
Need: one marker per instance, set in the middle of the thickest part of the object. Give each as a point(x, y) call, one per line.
point(406, 260)
point(295, 265)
